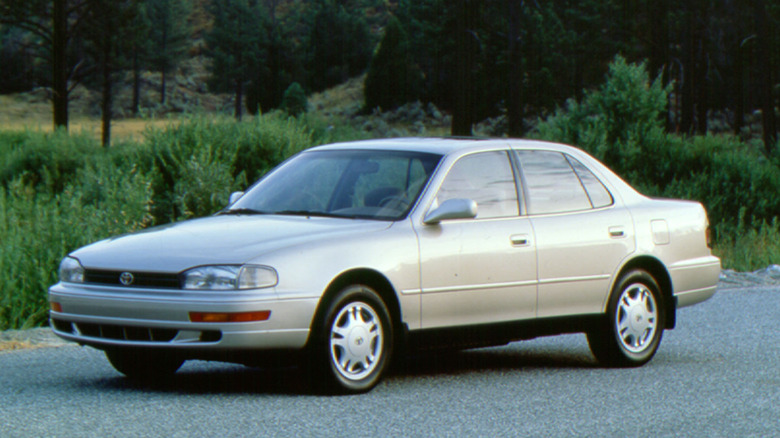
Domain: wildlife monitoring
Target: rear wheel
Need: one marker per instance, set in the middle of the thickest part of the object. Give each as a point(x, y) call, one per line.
point(143, 364)
point(632, 331)
point(353, 345)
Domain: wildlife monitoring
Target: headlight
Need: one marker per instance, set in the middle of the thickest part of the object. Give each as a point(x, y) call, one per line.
point(230, 277)
point(71, 271)
point(256, 277)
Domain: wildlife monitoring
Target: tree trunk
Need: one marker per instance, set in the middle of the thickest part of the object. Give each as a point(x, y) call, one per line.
point(579, 79)
point(136, 82)
point(164, 69)
point(688, 69)
point(764, 70)
point(702, 96)
point(276, 80)
point(462, 114)
point(658, 13)
point(59, 64)
point(106, 99)
point(162, 88)
point(739, 99)
point(238, 110)
point(514, 105)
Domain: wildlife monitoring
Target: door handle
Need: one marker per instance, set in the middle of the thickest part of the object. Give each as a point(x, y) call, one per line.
point(520, 240)
point(616, 232)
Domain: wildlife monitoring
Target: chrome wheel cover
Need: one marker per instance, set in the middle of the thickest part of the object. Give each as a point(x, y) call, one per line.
point(636, 318)
point(356, 340)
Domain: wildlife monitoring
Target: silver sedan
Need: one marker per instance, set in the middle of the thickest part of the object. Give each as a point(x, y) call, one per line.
point(347, 253)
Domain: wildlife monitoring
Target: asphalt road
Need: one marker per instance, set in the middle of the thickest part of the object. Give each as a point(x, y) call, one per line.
point(717, 374)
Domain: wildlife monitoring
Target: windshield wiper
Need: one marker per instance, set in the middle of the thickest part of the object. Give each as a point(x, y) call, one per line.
point(242, 211)
point(309, 213)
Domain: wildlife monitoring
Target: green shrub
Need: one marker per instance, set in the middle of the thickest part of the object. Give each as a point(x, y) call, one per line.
point(627, 106)
point(46, 161)
point(294, 101)
point(197, 164)
point(619, 124)
point(181, 171)
point(39, 229)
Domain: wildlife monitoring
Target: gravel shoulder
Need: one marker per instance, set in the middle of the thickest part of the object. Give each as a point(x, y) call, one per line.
point(26, 339)
point(43, 337)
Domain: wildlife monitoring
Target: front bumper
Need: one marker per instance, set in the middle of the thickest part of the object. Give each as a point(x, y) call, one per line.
point(109, 317)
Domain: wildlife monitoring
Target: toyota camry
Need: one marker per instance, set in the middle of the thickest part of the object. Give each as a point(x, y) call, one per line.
point(348, 254)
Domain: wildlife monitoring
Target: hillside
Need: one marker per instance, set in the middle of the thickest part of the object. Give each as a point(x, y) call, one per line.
point(187, 90)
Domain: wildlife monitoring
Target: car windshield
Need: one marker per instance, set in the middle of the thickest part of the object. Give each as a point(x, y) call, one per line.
point(367, 184)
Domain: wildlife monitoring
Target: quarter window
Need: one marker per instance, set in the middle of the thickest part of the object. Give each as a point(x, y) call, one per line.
point(553, 186)
point(485, 178)
point(598, 194)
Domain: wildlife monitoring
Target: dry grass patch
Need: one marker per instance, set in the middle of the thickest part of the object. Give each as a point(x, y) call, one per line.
point(28, 339)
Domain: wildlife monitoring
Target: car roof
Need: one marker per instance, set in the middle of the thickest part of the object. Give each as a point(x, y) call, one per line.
point(446, 145)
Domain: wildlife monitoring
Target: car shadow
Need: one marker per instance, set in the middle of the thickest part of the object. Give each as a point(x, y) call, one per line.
point(493, 359)
point(219, 378)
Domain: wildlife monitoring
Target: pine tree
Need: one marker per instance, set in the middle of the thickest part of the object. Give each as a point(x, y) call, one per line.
point(294, 102)
point(56, 23)
point(169, 36)
point(235, 46)
point(106, 26)
point(140, 49)
point(340, 45)
point(283, 32)
point(392, 80)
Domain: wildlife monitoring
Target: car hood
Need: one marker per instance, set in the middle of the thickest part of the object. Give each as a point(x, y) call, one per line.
point(215, 240)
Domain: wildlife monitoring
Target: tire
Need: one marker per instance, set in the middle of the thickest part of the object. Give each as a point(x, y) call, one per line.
point(632, 330)
point(353, 343)
point(144, 365)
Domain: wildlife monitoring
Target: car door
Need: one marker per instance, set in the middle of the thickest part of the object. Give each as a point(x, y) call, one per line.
point(582, 233)
point(479, 270)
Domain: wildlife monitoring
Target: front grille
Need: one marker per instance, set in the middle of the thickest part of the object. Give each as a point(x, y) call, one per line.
point(139, 279)
point(127, 333)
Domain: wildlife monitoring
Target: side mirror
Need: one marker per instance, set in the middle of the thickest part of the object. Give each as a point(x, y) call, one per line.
point(457, 208)
point(235, 196)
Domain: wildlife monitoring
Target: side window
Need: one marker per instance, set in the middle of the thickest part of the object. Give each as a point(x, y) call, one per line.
point(553, 187)
point(486, 178)
point(598, 194)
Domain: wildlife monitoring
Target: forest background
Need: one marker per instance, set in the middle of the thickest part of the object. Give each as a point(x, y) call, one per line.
point(117, 115)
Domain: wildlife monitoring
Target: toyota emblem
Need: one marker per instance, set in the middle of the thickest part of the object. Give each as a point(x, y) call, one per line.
point(126, 278)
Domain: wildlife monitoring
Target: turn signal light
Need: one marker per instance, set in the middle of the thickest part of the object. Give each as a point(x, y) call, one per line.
point(262, 315)
point(56, 307)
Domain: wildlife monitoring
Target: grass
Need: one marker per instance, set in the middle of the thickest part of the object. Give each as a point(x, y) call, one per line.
point(749, 249)
point(15, 345)
point(130, 129)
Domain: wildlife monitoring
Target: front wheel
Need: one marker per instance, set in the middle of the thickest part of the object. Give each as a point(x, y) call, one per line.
point(634, 323)
point(353, 344)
